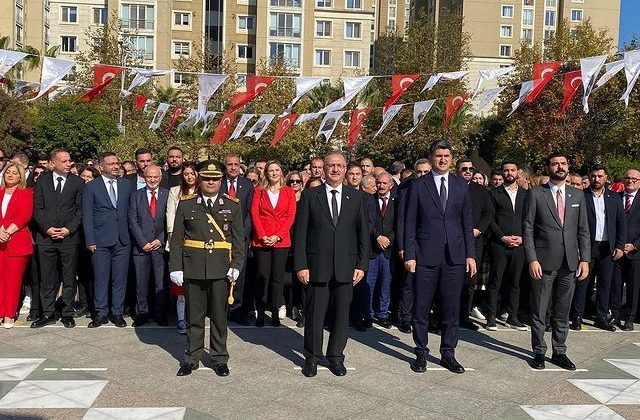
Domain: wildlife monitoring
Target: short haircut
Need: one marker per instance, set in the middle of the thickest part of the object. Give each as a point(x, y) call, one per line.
point(43, 156)
point(496, 172)
point(440, 144)
point(509, 162)
point(383, 174)
point(142, 151)
point(554, 155)
point(94, 171)
point(396, 167)
point(352, 165)
point(333, 153)
point(367, 179)
point(595, 168)
point(366, 158)
point(421, 161)
point(463, 160)
point(21, 157)
point(575, 174)
point(231, 155)
point(152, 166)
point(175, 148)
point(54, 152)
point(318, 158)
point(106, 155)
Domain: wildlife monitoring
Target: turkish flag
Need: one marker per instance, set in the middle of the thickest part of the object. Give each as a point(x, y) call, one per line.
point(572, 82)
point(224, 127)
point(140, 101)
point(399, 83)
point(452, 105)
point(102, 76)
point(284, 124)
point(542, 74)
point(355, 124)
point(174, 119)
point(255, 86)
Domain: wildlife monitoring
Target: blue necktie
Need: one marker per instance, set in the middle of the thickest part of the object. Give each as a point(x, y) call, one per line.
point(112, 193)
point(443, 193)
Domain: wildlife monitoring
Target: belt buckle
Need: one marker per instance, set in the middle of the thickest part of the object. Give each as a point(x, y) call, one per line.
point(208, 245)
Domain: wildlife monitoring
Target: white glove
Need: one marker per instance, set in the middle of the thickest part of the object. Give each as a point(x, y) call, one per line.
point(177, 277)
point(233, 274)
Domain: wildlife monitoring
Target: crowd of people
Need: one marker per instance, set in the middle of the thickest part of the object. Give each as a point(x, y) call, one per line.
point(332, 243)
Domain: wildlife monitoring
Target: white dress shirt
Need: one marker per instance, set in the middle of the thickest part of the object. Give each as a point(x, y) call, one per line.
point(601, 231)
point(512, 195)
point(115, 185)
point(149, 195)
point(554, 192)
point(437, 179)
point(387, 196)
point(55, 180)
point(632, 196)
point(329, 188)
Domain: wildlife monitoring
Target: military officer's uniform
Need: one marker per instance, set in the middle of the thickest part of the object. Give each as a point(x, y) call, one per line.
point(207, 243)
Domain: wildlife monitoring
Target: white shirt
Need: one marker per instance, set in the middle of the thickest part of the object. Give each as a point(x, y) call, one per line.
point(632, 196)
point(329, 188)
point(512, 195)
point(149, 195)
point(140, 182)
point(273, 197)
point(437, 178)
point(235, 182)
point(388, 196)
point(107, 184)
point(601, 232)
point(55, 180)
point(554, 192)
point(5, 203)
point(213, 199)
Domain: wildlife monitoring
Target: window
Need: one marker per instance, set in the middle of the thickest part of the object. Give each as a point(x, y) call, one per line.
point(288, 54)
point(245, 52)
point(407, 12)
point(577, 1)
point(68, 44)
point(137, 16)
point(551, 3)
point(246, 23)
point(323, 58)
point(506, 31)
point(352, 59)
point(573, 32)
point(181, 48)
point(528, 2)
point(505, 50)
point(285, 24)
point(287, 3)
point(323, 3)
point(550, 18)
point(527, 36)
point(182, 19)
point(180, 78)
point(548, 34)
point(507, 12)
point(392, 11)
point(353, 4)
point(576, 15)
point(100, 16)
point(323, 28)
point(527, 17)
point(141, 46)
point(391, 24)
point(69, 14)
point(352, 30)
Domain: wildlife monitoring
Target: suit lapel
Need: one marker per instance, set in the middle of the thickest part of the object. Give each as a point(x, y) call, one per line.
point(548, 197)
point(344, 204)
point(433, 191)
point(322, 198)
point(103, 188)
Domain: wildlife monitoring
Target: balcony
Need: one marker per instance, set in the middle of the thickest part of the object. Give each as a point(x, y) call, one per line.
point(287, 32)
point(142, 55)
point(287, 3)
point(19, 19)
point(293, 63)
point(138, 24)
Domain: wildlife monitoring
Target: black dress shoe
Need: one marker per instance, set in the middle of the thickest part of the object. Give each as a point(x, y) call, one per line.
point(384, 322)
point(467, 324)
point(405, 327)
point(310, 368)
point(360, 325)
point(260, 321)
point(420, 365)
point(628, 325)
point(42, 321)
point(118, 321)
point(162, 322)
point(576, 324)
point(337, 368)
point(275, 321)
point(561, 360)
point(186, 369)
point(82, 311)
point(32, 317)
point(547, 328)
point(221, 369)
point(238, 317)
point(140, 321)
point(68, 321)
point(604, 325)
point(452, 364)
point(300, 322)
point(538, 361)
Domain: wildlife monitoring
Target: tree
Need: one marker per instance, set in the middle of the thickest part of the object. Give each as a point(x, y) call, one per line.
point(15, 125)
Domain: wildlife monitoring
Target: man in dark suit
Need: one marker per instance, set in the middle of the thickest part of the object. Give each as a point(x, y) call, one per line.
point(105, 202)
point(144, 158)
point(506, 250)
point(147, 209)
point(241, 188)
point(331, 255)
point(608, 229)
point(482, 215)
point(439, 249)
point(558, 249)
point(630, 264)
point(57, 213)
point(381, 209)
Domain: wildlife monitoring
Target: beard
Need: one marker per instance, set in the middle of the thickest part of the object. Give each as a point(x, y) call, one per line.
point(558, 176)
point(509, 179)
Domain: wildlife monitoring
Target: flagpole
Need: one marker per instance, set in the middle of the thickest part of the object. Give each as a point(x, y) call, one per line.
point(123, 57)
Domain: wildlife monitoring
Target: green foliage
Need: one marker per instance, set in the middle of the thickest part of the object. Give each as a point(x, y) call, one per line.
point(15, 125)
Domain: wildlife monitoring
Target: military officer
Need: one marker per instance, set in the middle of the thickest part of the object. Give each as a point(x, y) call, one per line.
point(207, 252)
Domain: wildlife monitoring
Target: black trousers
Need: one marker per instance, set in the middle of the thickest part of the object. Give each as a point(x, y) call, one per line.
point(327, 300)
point(470, 283)
point(600, 272)
point(506, 267)
point(631, 278)
point(85, 280)
point(270, 269)
point(50, 258)
point(206, 298)
point(405, 305)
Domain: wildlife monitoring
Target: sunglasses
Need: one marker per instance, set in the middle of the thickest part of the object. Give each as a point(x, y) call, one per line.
point(630, 179)
point(294, 181)
point(471, 169)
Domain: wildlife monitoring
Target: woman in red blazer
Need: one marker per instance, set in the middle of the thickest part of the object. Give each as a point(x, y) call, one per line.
point(272, 213)
point(16, 247)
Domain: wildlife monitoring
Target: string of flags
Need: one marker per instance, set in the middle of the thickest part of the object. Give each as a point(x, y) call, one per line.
point(588, 77)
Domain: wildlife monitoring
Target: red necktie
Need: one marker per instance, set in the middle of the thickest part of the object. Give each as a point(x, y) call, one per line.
point(153, 204)
point(560, 207)
point(383, 209)
point(232, 188)
point(627, 203)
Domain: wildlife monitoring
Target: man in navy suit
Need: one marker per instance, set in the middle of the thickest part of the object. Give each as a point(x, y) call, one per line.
point(147, 209)
point(439, 249)
point(105, 202)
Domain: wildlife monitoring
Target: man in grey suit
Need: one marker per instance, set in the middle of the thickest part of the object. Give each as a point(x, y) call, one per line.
point(558, 250)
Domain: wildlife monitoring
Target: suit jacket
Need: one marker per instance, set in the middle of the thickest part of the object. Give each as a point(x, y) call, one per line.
point(143, 227)
point(481, 206)
point(244, 192)
point(326, 250)
point(103, 224)
point(269, 221)
point(401, 208)
point(506, 221)
point(633, 226)
point(19, 212)
point(427, 225)
point(58, 210)
point(615, 222)
point(545, 240)
point(381, 225)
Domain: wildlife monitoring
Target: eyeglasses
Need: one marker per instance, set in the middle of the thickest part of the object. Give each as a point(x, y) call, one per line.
point(294, 181)
point(468, 169)
point(630, 179)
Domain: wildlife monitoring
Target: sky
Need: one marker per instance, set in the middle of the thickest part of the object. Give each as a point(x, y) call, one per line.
point(629, 20)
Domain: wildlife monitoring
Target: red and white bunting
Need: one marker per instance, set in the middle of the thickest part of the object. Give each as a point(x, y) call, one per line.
point(387, 117)
point(328, 124)
point(525, 90)
point(242, 123)
point(159, 116)
point(53, 71)
point(284, 124)
point(572, 82)
point(452, 105)
point(399, 84)
point(303, 86)
point(255, 86)
point(258, 129)
point(207, 86)
point(632, 71)
point(542, 74)
point(8, 59)
point(222, 130)
point(435, 78)
point(420, 111)
point(352, 86)
point(355, 124)
point(589, 69)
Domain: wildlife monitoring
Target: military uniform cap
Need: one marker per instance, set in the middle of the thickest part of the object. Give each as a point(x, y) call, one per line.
point(210, 170)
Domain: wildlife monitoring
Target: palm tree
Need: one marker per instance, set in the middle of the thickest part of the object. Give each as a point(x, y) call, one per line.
point(166, 94)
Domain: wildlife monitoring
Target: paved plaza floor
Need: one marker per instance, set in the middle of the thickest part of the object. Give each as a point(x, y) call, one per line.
point(127, 373)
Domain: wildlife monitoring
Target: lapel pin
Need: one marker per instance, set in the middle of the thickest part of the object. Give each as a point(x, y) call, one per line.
point(220, 201)
point(199, 200)
point(347, 197)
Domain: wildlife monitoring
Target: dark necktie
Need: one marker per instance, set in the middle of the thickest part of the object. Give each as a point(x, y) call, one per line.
point(627, 203)
point(153, 204)
point(209, 205)
point(443, 193)
point(383, 208)
point(334, 207)
point(59, 186)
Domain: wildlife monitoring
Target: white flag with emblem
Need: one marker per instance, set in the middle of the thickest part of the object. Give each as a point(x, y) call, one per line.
point(487, 97)
point(143, 75)
point(610, 70)
point(8, 59)
point(159, 115)
point(329, 123)
point(352, 86)
point(387, 117)
point(303, 118)
point(53, 70)
point(208, 118)
point(303, 85)
point(484, 75)
point(420, 111)
point(590, 68)
point(244, 119)
point(191, 120)
point(435, 78)
point(632, 71)
point(525, 90)
point(260, 126)
point(207, 86)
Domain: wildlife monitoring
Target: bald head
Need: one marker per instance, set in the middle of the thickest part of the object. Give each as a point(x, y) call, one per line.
point(368, 184)
point(632, 180)
point(152, 176)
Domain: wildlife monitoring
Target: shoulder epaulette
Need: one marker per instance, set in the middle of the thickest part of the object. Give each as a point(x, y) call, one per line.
point(188, 197)
point(234, 199)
